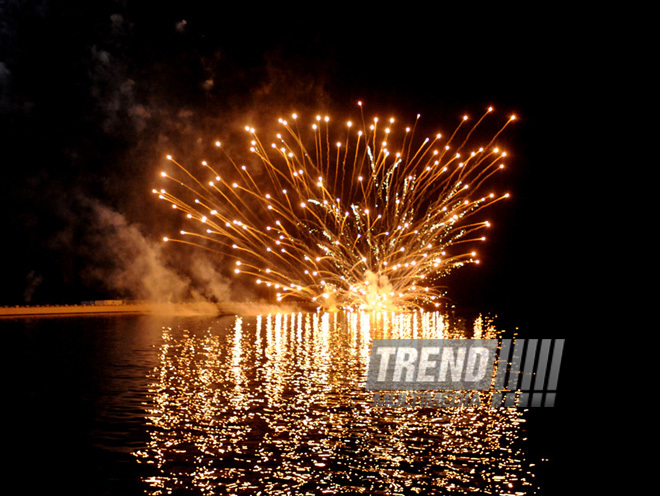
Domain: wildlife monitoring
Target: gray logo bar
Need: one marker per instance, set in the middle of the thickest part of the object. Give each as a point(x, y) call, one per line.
point(431, 364)
point(527, 371)
point(518, 373)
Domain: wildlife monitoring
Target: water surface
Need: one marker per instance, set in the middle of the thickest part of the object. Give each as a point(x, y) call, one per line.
point(271, 404)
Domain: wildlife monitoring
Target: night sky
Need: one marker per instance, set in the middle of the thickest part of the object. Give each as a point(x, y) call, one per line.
point(93, 95)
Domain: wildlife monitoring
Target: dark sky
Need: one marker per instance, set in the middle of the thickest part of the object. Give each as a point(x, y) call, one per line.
point(93, 94)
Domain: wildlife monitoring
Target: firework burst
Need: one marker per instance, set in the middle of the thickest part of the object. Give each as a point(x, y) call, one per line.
point(370, 220)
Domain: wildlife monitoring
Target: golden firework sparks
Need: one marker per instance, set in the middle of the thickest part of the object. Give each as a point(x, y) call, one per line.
point(371, 220)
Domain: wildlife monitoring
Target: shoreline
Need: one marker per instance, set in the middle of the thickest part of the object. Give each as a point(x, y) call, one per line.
point(141, 308)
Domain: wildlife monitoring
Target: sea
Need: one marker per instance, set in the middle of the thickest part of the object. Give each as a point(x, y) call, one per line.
point(272, 404)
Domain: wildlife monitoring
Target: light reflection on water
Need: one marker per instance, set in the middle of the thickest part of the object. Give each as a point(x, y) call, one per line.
point(276, 404)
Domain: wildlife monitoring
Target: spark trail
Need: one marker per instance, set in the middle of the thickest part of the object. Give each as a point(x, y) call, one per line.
point(371, 220)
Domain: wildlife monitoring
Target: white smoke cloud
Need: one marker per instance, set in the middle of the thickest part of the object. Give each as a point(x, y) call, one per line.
point(5, 75)
point(138, 266)
point(181, 25)
point(378, 289)
point(130, 265)
point(33, 280)
point(5, 82)
point(208, 282)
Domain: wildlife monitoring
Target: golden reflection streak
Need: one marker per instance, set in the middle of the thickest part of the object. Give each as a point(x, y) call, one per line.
point(277, 405)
